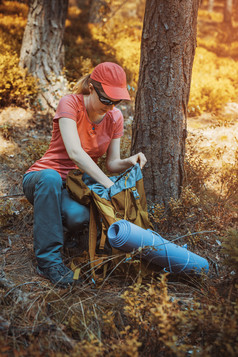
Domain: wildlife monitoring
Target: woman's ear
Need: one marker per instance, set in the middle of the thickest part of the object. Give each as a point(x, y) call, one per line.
point(90, 88)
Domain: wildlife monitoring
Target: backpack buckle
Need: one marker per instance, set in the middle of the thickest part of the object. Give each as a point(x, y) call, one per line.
point(135, 193)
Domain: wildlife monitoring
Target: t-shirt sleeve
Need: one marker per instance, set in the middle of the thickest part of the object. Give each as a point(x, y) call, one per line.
point(119, 125)
point(67, 108)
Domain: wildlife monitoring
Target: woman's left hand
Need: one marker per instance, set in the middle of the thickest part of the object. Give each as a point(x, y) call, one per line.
point(116, 164)
point(139, 157)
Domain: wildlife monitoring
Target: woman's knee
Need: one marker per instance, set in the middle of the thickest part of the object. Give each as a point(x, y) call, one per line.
point(75, 220)
point(50, 177)
point(74, 214)
point(49, 181)
point(41, 182)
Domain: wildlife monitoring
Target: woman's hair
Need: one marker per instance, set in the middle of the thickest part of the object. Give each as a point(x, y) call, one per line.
point(82, 86)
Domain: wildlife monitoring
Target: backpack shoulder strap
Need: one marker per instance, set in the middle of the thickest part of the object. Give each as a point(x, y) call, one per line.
point(92, 238)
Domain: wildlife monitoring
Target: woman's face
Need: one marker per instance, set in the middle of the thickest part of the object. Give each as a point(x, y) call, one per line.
point(97, 101)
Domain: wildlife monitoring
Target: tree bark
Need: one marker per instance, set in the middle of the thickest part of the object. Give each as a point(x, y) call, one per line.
point(42, 51)
point(159, 127)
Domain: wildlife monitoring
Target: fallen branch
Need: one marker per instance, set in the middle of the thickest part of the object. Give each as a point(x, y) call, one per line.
point(13, 195)
point(17, 286)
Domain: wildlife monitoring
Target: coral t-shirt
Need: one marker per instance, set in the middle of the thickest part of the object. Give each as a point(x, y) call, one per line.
point(95, 138)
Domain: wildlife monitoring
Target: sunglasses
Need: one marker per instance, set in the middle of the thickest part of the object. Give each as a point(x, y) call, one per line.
point(104, 100)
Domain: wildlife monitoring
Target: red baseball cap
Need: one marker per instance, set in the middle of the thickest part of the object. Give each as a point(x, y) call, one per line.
point(113, 80)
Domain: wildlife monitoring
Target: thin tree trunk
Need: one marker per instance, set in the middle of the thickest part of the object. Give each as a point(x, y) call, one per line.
point(210, 5)
point(42, 51)
point(159, 127)
point(228, 12)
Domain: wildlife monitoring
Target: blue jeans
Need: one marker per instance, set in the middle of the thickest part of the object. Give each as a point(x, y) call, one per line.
point(53, 207)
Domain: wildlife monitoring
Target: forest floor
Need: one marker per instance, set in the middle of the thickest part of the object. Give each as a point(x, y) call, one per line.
point(216, 136)
point(21, 130)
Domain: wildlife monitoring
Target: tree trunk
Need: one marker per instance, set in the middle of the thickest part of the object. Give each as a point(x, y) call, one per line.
point(159, 127)
point(42, 51)
point(210, 5)
point(228, 12)
point(235, 10)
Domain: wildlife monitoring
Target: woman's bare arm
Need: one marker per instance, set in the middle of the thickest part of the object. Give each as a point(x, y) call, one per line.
point(76, 153)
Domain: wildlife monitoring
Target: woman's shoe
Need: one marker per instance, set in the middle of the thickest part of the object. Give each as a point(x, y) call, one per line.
point(59, 274)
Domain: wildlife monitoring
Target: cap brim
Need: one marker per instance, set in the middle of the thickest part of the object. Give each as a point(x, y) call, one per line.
point(116, 92)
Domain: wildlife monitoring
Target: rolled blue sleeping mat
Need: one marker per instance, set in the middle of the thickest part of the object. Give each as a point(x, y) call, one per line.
point(126, 236)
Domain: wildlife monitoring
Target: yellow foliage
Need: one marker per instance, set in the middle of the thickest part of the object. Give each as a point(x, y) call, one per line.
point(13, 17)
point(127, 346)
point(86, 348)
point(204, 326)
point(14, 8)
point(74, 11)
point(213, 82)
point(123, 41)
point(214, 71)
point(213, 15)
point(179, 209)
point(16, 87)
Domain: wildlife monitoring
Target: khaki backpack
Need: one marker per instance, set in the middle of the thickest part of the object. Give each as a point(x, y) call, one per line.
point(124, 200)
